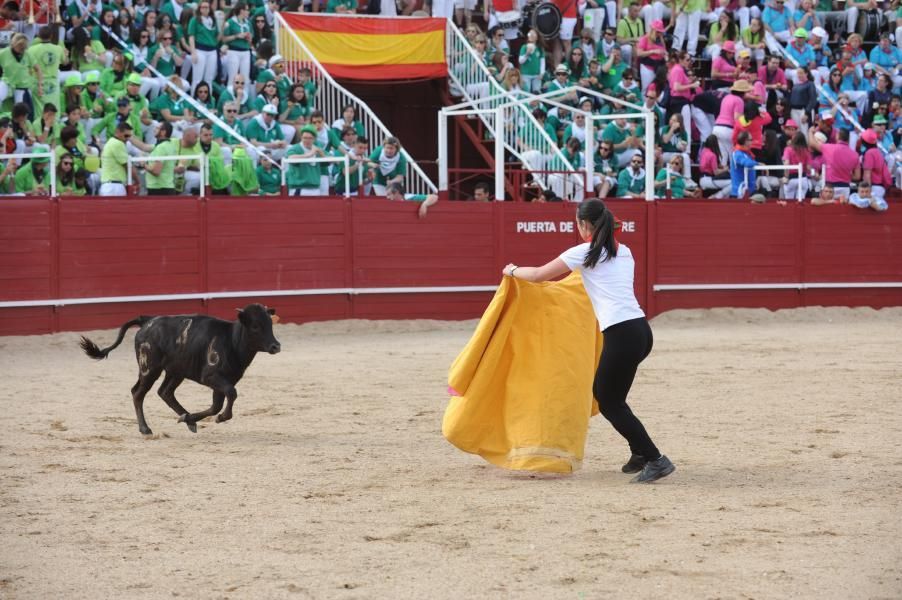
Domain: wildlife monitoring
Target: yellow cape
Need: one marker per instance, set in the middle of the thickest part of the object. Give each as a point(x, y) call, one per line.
point(524, 380)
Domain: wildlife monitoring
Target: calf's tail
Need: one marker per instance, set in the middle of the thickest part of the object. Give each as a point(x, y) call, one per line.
point(92, 350)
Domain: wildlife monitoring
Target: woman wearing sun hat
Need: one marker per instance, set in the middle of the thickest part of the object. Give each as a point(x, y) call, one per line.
point(731, 109)
point(651, 52)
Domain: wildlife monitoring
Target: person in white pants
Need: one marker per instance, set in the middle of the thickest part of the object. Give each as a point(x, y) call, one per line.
point(114, 161)
point(653, 11)
point(203, 40)
point(689, 20)
point(237, 36)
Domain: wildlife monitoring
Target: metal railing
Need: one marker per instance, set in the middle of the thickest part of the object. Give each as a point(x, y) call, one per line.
point(290, 160)
point(49, 155)
point(798, 168)
point(524, 137)
point(331, 98)
point(200, 158)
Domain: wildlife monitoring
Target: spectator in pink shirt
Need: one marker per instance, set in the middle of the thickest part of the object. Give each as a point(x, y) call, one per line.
point(873, 165)
point(796, 153)
point(683, 89)
point(773, 77)
point(723, 67)
point(730, 110)
point(651, 52)
point(843, 165)
point(714, 175)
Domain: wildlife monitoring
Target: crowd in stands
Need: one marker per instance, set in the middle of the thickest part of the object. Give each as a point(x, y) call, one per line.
point(733, 84)
point(100, 82)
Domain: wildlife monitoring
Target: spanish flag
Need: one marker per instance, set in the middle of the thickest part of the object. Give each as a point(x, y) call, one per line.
point(374, 48)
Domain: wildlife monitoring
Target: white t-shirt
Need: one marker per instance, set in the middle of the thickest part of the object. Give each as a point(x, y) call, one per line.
point(609, 284)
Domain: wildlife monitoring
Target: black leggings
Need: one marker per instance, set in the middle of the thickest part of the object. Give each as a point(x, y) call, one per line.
point(626, 345)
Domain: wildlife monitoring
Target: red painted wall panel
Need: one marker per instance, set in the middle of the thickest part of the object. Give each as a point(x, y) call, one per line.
point(133, 246)
point(393, 247)
point(145, 246)
point(275, 244)
point(26, 251)
point(706, 242)
point(845, 244)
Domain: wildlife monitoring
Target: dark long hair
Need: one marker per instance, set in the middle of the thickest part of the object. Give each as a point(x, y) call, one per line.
point(594, 212)
point(750, 110)
point(712, 144)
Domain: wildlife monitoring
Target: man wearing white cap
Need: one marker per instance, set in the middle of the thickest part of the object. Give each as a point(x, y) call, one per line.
point(276, 72)
point(266, 133)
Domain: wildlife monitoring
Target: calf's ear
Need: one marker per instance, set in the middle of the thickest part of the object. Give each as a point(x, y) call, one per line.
point(240, 312)
point(271, 311)
point(272, 315)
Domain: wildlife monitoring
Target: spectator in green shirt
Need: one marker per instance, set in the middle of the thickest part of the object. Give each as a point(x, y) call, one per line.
point(22, 79)
point(276, 72)
point(203, 40)
point(395, 191)
point(631, 181)
point(387, 165)
point(47, 126)
point(34, 178)
point(47, 56)
point(237, 36)
point(160, 175)
point(266, 133)
point(269, 179)
point(303, 179)
point(677, 179)
point(114, 160)
point(226, 140)
point(65, 175)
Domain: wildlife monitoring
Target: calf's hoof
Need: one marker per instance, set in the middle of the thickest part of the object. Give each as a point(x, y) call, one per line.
point(223, 418)
point(186, 419)
point(145, 430)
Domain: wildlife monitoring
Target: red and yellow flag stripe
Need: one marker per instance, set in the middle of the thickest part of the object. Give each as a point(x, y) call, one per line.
point(373, 48)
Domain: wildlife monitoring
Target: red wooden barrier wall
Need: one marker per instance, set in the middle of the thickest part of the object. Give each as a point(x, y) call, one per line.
point(83, 248)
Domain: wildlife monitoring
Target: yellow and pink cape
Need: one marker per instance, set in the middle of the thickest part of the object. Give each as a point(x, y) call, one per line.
point(522, 387)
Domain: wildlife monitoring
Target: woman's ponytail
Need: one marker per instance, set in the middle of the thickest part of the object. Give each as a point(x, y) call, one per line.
point(601, 219)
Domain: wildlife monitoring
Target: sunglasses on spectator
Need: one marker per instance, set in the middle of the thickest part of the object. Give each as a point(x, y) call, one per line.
point(167, 38)
point(230, 111)
point(66, 163)
point(637, 161)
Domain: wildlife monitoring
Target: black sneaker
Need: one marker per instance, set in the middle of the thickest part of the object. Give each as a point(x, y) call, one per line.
point(654, 470)
point(634, 464)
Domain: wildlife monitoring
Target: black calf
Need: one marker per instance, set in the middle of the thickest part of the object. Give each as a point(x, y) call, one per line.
point(210, 351)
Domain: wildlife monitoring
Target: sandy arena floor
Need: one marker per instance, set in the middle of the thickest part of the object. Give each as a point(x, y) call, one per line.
point(333, 480)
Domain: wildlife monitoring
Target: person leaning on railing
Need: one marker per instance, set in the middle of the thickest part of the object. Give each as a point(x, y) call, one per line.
point(387, 165)
point(303, 179)
point(357, 174)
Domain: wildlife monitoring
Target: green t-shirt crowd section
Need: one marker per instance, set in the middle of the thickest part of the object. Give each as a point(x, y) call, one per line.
point(75, 93)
